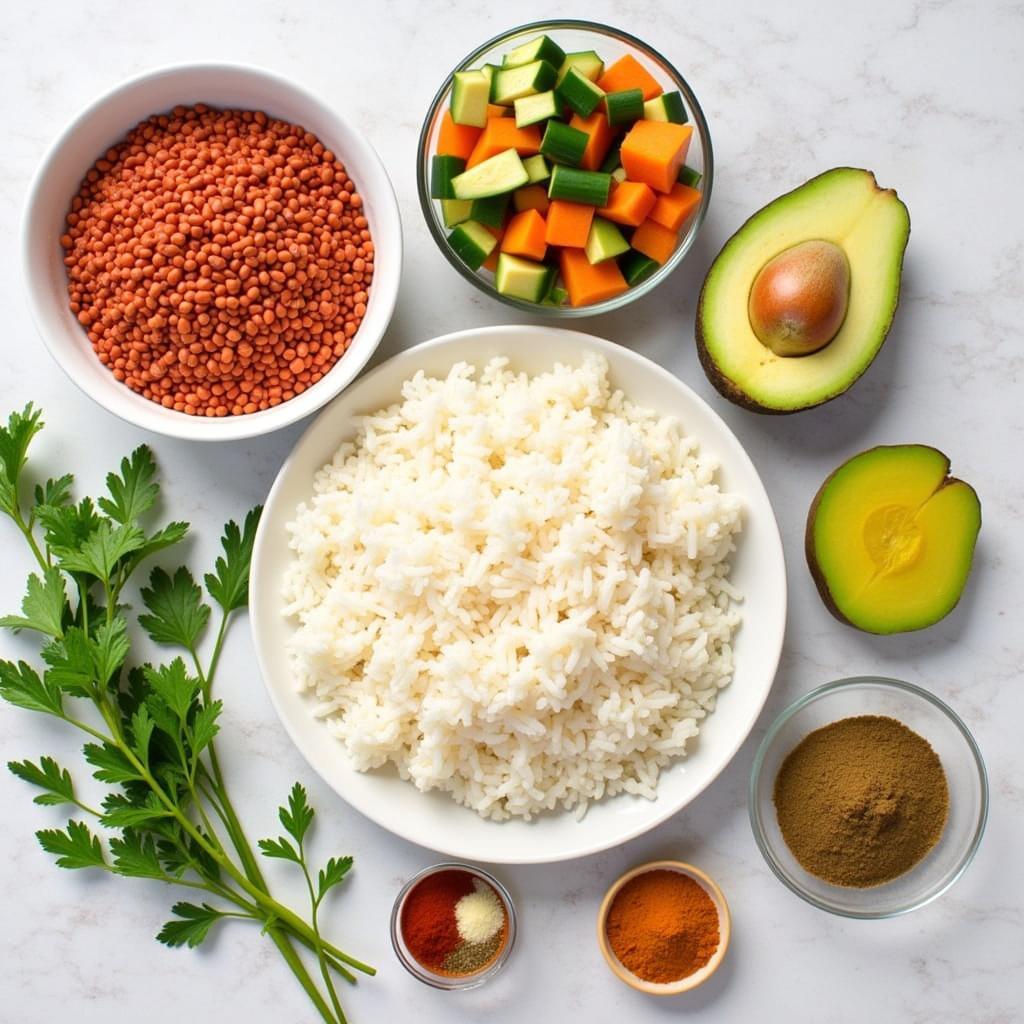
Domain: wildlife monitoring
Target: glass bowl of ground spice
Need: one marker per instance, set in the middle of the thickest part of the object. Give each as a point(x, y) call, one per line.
point(664, 927)
point(868, 797)
point(453, 926)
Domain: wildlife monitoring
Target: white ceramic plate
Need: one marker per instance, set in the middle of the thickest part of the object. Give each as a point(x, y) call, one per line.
point(433, 819)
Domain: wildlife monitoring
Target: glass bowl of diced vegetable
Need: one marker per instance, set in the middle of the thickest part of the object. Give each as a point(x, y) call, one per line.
point(565, 168)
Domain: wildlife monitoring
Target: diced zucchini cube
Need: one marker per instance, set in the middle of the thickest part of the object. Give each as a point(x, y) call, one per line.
point(605, 241)
point(472, 243)
point(455, 211)
point(587, 62)
point(541, 48)
point(537, 168)
point(502, 173)
point(471, 92)
point(539, 107)
point(669, 106)
point(512, 83)
point(522, 278)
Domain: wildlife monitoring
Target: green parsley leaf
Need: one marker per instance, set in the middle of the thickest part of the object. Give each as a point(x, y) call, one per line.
point(280, 849)
point(15, 439)
point(47, 775)
point(331, 874)
point(71, 661)
point(43, 605)
point(135, 855)
point(109, 648)
point(133, 493)
point(228, 585)
point(170, 535)
point(192, 929)
point(55, 492)
point(100, 552)
point(205, 727)
point(20, 685)
point(120, 812)
point(175, 687)
point(111, 765)
point(68, 526)
point(75, 847)
point(177, 614)
point(298, 815)
point(142, 730)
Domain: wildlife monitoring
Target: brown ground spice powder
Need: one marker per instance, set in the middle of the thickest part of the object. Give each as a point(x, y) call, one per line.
point(861, 801)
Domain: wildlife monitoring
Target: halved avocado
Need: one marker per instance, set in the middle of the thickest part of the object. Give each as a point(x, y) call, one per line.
point(846, 209)
point(890, 538)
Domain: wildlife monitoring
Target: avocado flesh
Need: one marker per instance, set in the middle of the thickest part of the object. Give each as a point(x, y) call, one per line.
point(871, 225)
point(890, 539)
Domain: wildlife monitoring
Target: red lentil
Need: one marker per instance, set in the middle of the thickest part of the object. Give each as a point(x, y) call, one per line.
point(219, 260)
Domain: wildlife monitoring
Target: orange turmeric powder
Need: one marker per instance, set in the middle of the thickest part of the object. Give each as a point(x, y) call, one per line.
point(663, 926)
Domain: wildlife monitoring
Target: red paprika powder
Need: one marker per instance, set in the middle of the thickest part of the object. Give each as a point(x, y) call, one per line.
point(429, 926)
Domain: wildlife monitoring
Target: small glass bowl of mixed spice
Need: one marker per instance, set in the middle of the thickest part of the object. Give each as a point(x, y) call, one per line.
point(868, 797)
point(453, 926)
point(664, 927)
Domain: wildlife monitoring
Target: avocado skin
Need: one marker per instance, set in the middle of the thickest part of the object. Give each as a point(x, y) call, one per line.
point(812, 560)
point(726, 387)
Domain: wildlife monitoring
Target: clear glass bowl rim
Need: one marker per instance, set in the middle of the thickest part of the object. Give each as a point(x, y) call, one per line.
point(631, 294)
point(440, 981)
point(809, 698)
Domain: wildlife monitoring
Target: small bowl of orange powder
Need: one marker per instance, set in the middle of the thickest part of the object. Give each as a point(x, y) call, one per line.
point(664, 927)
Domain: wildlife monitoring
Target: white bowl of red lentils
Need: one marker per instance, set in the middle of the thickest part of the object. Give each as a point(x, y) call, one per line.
point(211, 252)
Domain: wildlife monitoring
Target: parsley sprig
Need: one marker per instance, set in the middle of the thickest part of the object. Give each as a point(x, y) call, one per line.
point(151, 728)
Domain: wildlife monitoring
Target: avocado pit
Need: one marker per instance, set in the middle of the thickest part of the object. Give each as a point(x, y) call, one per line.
point(799, 298)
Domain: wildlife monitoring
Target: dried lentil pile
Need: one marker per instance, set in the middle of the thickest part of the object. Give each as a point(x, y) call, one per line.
point(219, 260)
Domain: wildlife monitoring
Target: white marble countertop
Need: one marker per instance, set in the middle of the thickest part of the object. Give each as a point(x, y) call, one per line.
point(926, 93)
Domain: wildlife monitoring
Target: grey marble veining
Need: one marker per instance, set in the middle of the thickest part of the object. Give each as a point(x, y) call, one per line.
point(929, 95)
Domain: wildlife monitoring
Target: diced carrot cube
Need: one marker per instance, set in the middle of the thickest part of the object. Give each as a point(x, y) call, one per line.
point(525, 236)
point(568, 223)
point(456, 139)
point(653, 152)
point(491, 263)
point(654, 240)
point(588, 282)
point(493, 110)
point(630, 203)
point(531, 197)
point(501, 133)
point(675, 209)
point(599, 141)
point(628, 73)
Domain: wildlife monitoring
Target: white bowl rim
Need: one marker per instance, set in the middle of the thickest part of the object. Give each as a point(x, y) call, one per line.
point(440, 842)
point(228, 428)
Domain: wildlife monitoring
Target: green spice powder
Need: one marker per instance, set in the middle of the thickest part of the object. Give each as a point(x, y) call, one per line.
point(472, 956)
point(861, 801)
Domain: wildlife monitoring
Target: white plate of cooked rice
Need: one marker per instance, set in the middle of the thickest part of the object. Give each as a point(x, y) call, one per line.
point(518, 595)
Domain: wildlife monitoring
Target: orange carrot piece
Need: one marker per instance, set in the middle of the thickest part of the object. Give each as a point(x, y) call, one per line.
point(653, 152)
point(568, 223)
point(599, 140)
point(675, 209)
point(525, 236)
point(491, 263)
point(630, 203)
point(493, 110)
point(501, 133)
point(456, 139)
point(628, 73)
point(654, 240)
point(588, 282)
point(531, 197)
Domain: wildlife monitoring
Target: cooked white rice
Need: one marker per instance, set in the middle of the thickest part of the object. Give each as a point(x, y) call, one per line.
point(514, 589)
